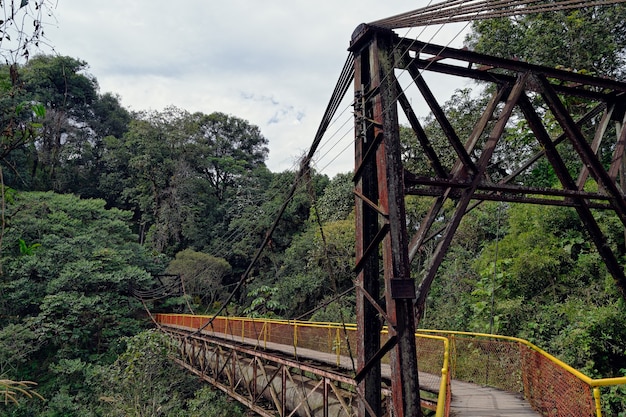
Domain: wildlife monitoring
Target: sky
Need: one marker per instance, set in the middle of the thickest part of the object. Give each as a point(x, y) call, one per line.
point(273, 63)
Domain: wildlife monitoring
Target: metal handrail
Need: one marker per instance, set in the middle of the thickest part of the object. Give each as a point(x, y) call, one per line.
point(443, 398)
point(595, 384)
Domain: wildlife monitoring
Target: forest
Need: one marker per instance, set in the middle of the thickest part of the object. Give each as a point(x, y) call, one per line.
point(99, 202)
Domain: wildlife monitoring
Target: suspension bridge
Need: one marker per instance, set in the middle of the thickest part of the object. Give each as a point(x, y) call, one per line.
point(380, 366)
point(302, 368)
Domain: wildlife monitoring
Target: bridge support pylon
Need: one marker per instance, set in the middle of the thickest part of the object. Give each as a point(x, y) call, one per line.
point(381, 228)
point(583, 151)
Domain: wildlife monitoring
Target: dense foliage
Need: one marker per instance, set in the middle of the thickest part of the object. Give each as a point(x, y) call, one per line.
point(99, 201)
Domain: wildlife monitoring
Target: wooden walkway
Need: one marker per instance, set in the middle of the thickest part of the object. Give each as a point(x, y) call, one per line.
point(468, 400)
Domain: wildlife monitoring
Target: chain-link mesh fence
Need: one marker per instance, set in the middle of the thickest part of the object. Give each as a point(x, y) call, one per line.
point(515, 365)
point(329, 342)
point(509, 364)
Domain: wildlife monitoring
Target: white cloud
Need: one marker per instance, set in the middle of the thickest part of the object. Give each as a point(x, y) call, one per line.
point(274, 63)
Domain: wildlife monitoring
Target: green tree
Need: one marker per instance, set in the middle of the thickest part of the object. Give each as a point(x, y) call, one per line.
point(263, 302)
point(254, 209)
point(83, 165)
point(176, 170)
point(148, 166)
point(67, 92)
point(552, 288)
point(462, 111)
point(318, 264)
point(208, 402)
point(337, 199)
point(227, 149)
point(69, 297)
point(143, 381)
point(202, 275)
point(590, 39)
point(62, 151)
point(318, 267)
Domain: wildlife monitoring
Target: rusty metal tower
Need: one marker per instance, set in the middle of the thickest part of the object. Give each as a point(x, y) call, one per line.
point(386, 292)
point(380, 217)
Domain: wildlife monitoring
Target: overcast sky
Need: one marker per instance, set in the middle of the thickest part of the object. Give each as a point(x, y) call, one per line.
point(273, 63)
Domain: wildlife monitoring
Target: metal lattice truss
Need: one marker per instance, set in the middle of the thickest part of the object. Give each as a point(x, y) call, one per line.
point(525, 88)
point(264, 381)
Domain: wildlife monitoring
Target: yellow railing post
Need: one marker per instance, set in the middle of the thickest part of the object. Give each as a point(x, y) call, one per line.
point(452, 363)
point(596, 397)
point(443, 385)
point(338, 346)
point(295, 335)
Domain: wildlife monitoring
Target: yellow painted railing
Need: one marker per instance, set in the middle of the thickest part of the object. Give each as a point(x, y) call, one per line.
point(337, 340)
point(550, 385)
point(546, 365)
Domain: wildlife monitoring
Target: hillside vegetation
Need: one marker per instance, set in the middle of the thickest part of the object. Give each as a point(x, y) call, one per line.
point(99, 201)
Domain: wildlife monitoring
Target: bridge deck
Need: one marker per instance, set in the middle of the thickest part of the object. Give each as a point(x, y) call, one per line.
point(468, 400)
point(471, 400)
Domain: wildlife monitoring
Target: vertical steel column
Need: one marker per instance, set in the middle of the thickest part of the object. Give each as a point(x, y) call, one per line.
point(381, 226)
point(368, 322)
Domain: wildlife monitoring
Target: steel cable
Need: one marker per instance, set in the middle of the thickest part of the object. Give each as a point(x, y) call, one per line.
point(340, 90)
point(464, 11)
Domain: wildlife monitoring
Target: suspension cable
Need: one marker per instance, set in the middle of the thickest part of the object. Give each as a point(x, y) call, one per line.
point(464, 11)
point(341, 88)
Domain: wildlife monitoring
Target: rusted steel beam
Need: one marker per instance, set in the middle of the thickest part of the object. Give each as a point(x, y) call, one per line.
point(371, 250)
point(391, 342)
point(435, 163)
point(436, 183)
point(403, 359)
point(583, 148)
point(375, 304)
point(481, 125)
point(617, 163)
point(422, 232)
point(364, 126)
point(494, 77)
point(568, 182)
point(443, 121)
point(608, 94)
point(503, 197)
point(530, 161)
point(595, 145)
point(367, 279)
point(463, 203)
point(581, 81)
point(418, 239)
point(254, 376)
point(380, 180)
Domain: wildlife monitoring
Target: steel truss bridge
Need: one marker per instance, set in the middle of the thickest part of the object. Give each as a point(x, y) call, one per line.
point(387, 296)
point(297, 368)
